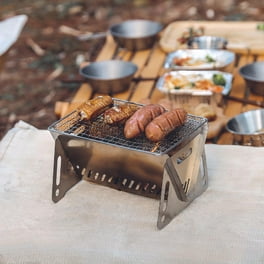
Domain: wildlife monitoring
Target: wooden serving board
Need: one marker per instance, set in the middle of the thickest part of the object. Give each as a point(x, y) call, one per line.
point(242, 37)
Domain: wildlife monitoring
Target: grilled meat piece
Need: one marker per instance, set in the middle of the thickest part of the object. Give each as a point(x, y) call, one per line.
point(120, 113)
point(162, 125)
point(137, 122)
point(94, 107)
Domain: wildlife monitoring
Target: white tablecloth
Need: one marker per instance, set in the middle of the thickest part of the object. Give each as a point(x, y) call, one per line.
point(96, 224)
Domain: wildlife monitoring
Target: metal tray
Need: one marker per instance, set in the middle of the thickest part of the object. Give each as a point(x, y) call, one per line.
point(190, 75)
point(222, 58)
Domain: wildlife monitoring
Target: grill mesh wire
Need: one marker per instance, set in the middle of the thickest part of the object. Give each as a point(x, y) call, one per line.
point(98, 130)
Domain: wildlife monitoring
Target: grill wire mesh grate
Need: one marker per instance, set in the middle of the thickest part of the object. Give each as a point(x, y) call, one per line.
point(98, 130)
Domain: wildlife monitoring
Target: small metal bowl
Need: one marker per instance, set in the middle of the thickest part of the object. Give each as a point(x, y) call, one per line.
point(208, 42)
point(136, 34)
point(253, 75)
point(108, 77)
point(247, 128)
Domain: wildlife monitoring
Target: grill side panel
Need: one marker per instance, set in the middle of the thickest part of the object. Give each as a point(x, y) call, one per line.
point(127, 170)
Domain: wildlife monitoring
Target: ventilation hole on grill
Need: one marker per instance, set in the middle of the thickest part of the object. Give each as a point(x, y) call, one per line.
point(124, 182)
point(58, 171)
point(153, 188)
point(103, 177)
point(110, 179)
point(83, 171)
point(146, 186)
point(131, 184)
point(96, 175)
point(138, 186)
point(162, 219)
point(166, 196)
point(186, 185)
point(202, 171)
point(57, 192)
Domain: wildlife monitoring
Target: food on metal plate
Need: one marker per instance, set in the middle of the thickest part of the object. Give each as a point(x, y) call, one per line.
point(118, 114)
point(219, 79)
point(207, 84)
point(136, 124)
point(165, 123)
point(94, 107)
point(193, 82)
point(190, 61)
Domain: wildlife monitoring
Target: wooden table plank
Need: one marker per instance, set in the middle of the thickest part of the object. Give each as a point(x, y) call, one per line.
point(151, 70)
point(108, 49)
point(233, 108)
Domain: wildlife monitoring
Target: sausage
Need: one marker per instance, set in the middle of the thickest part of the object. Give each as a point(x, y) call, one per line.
point(120, 113)
point(162, 125)
point(94, 107)
point(138, 121)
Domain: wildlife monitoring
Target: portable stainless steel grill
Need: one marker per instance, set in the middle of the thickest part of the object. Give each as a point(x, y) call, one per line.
point(173, 170)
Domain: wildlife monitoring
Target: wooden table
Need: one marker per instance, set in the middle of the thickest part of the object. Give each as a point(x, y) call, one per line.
point(150, 66)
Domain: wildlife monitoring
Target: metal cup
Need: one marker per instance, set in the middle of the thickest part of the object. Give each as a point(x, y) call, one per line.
point(208, 42)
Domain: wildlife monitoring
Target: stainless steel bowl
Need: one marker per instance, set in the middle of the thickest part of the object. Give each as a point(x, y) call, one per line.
point(108, 77)
point(208, 42)
point(253, 75)
point(138, 34)
point(248, 128)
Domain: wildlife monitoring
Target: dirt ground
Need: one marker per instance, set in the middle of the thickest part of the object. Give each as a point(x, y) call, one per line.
point(46, 53)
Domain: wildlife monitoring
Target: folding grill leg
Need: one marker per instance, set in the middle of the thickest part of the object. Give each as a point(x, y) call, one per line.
point(173, 196)
point(64, 174)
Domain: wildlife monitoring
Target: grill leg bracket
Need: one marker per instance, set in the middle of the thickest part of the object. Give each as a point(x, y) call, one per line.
point(179, 175)
point(177, 195)
point(64, 172)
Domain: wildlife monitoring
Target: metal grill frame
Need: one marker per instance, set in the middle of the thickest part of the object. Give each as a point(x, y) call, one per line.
point(176, 173)
point(98, 130)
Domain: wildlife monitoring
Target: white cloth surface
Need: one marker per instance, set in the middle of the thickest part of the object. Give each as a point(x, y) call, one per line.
point(97, 224)
point(10, 30)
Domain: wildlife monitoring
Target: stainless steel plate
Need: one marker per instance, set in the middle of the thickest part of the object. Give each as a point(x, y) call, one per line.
point(198, 59)
point(192, 76)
